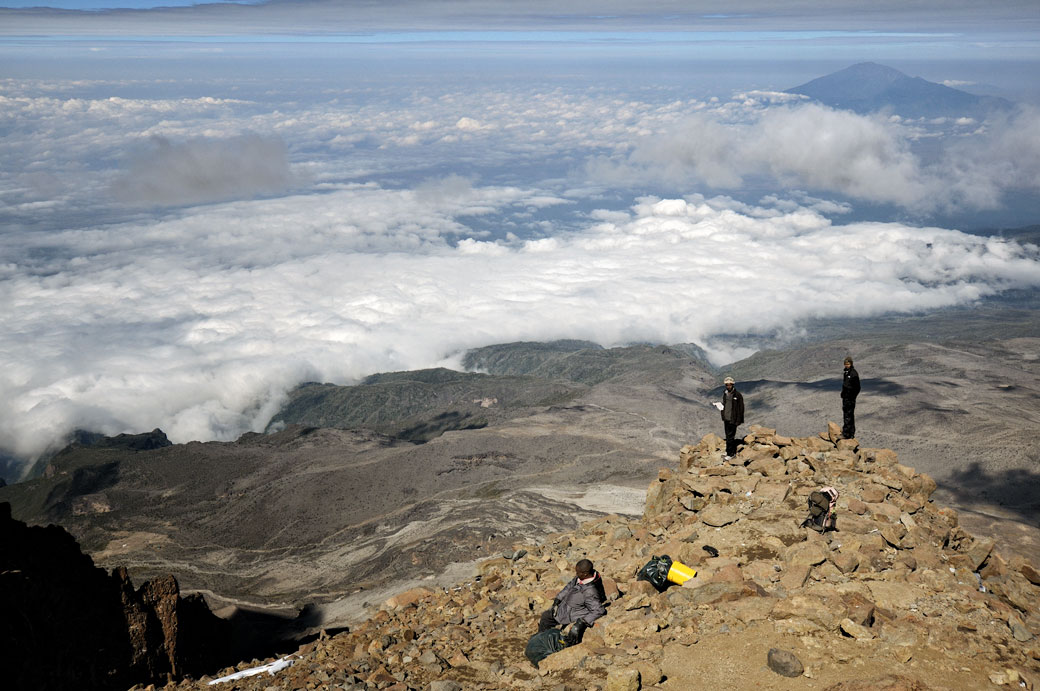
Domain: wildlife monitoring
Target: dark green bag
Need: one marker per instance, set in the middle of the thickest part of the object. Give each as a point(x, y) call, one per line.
point(544, 644)
point(656, 571)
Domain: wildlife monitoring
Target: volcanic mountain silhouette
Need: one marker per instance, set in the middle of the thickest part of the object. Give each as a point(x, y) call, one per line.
point(868, 87)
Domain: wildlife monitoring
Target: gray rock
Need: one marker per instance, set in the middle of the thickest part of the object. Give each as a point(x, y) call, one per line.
point(1019, 630)
point(784, 663)
point(444, 685)
point(429, 658)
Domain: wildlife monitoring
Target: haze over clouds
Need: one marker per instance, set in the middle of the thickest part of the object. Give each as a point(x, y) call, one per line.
point(539, 15)
point(203, 170)
point(191, 225)
point(196, 150)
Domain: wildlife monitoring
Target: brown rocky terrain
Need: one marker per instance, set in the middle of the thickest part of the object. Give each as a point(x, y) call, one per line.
point(900, 597)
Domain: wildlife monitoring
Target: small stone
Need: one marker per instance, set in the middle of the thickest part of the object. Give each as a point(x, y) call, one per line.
point(429, 658)
point(795, 577)
point(979, 552)
point(857, 507)
point(718, 516)
point(833, 431)
point(846, 562)
point(444, 685)
point(784, 663)
point(874, 494)
point(894, 534)
point(857, 631)
point(1019, 630)
point(623, 680)
point(693, 503)
point(808, 553)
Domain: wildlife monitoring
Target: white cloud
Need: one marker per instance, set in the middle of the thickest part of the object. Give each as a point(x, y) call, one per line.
point(199, 324)
point(78, 150)
point(819, 148)
point(467, 124)
point(1004, 156)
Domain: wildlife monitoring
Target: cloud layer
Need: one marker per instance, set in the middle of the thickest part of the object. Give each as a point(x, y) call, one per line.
point(180, 255)
point(71, 153)
point(871, 158)
point(200, 324)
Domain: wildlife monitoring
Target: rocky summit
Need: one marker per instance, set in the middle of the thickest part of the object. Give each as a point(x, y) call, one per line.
point(898, 597)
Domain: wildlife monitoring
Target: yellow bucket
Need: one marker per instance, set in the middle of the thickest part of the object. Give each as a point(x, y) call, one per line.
point(680, 573)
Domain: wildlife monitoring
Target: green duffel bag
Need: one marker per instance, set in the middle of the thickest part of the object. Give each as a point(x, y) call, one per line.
point(543, 644)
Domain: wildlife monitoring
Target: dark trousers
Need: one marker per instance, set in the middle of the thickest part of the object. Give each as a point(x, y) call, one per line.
point(731, 438)
point(548, 621)
point(848, 415)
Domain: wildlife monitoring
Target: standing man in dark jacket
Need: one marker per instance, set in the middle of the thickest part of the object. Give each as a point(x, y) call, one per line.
point(732, 408)
point(580, 601)
point(849, 391)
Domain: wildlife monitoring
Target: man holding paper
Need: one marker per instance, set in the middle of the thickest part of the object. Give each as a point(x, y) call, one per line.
point(732, 408)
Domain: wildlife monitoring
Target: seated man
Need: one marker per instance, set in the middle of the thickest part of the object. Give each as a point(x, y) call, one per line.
point(580, 602)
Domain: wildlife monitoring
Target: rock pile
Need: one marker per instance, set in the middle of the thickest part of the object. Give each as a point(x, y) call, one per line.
point(899, 597)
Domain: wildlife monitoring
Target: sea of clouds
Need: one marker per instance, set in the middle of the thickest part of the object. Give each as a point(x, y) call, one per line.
point(183, 262)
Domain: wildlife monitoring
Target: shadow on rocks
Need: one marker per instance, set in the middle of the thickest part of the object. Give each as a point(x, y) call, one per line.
point(259, 635)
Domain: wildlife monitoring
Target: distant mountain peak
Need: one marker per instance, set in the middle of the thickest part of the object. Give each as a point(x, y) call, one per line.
point(868, 87)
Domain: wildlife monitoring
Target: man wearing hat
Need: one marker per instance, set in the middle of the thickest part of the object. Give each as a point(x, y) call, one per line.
point(732, 415)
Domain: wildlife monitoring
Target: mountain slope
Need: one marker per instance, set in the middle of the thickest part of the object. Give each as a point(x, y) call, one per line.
point(325, 514)
point(421, 405)
point(868, 87)
point(898, 598)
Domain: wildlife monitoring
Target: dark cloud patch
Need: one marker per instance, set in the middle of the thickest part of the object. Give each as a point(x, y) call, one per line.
point(201, 170)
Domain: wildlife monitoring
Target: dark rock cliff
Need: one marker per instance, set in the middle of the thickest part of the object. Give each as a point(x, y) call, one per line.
point(65, 623)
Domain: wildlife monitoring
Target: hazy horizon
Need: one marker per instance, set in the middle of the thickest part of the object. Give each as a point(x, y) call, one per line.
point(204, 206)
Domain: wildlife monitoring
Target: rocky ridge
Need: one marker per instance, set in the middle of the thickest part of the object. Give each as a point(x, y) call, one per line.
point(899, 597)
point(65, 623)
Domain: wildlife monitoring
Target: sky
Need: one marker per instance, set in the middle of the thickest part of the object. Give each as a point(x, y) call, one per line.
point(202, 207)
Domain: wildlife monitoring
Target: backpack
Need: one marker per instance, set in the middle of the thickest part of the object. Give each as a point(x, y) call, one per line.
point(543, 644)
point(821, 510)
point(656, 571)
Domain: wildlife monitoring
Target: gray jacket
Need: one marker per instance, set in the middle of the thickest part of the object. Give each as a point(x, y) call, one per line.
point(584, 602)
